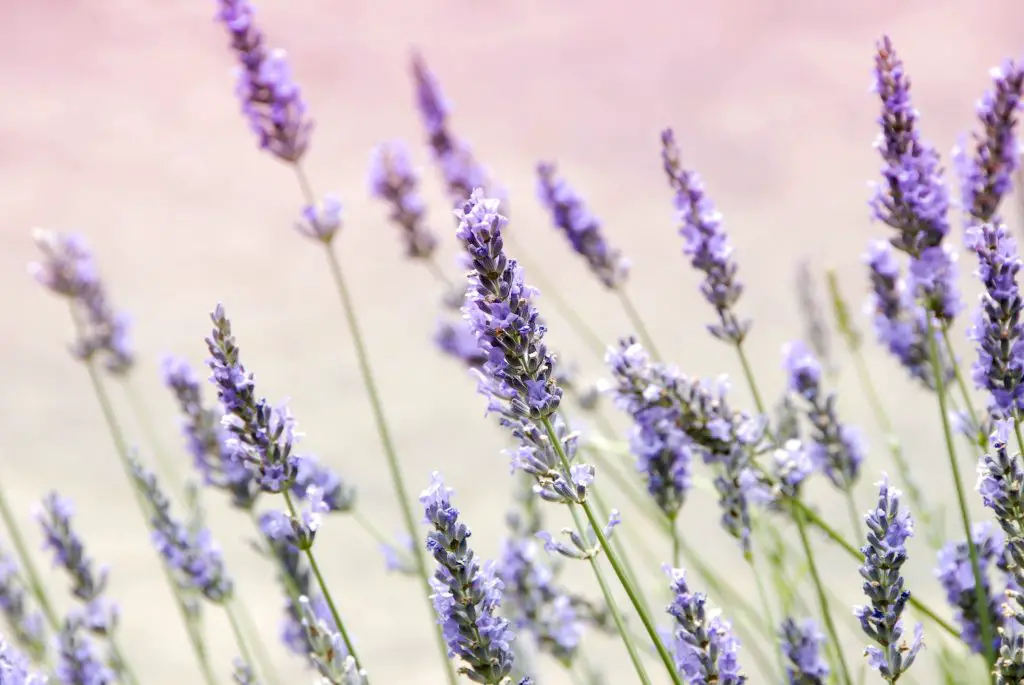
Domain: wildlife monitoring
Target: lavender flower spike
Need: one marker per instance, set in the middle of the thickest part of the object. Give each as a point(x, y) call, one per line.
point(835, 447)
point(913, 198)
point(192, 557)
point(466, 595)
point(986, 176)
point(23, 624)
point(889, 526)
point(88, 584)
point(705, 646)
point(77, 661)
point(997, 329)
point(393, 180)
point(271, 100)
point(69, 270)
point(801, 645)
point(705, 243)
point(15, 669)
point(1001, 486)
point(957, 578)
point(581, 228)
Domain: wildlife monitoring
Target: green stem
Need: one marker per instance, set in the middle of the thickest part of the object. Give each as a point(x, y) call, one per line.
point(959, 378)
point(980, 598)
point(170, 472)
point(383, 431)
point(1020, 437)
point(124, 669)
point(236, 630)
point(29, 568)
point(617, 567)
point(748, 371)
point(121, 447)
point(819, 587)
point(766, 607)
point(437, 272)
point(603, 511)
point(252, 634)
point(855, 520)
point(324, 590)
point(638, 322)
point(676, 542)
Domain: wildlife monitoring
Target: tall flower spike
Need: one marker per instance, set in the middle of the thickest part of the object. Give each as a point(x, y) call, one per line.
point(466, 595)
point(89, 585)
point(997, 328)
point(23, 624)
point(705, 243)
point(271, 100)
point(957, 578)
point(327, 649)
point(1001, 486)
point(194, 558)
point(583, 230)
point(912, 197)
point(834, 447)
point(462, 172)
point(813, 315)
point(15, 669)
point(393, 180)
point(889, 526)
point(207, 438)
point(706, 648)
point(986, 176)
point(77, 661)
point(262, 436)
point(900, 323)
point(801, 645)
point(69, 270)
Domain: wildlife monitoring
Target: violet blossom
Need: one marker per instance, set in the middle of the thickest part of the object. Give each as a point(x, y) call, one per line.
point(393, 180)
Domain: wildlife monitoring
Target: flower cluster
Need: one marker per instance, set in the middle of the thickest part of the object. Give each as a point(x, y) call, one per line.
point(889, 526)
point(25, 625)
point(705, 243)
point(393, 180)
point(77, 661)
point(706, 649)
point(89, 585)
point(68, 270)
point(956, 576)
point(15, 668)
point(192, 556)
point(834, 447)
point(327, 649)
point(571, 216)
point(271, 100)
point(801, 645)
point(466, 595)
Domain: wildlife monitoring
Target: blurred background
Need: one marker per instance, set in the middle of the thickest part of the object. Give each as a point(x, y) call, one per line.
point(120, 123)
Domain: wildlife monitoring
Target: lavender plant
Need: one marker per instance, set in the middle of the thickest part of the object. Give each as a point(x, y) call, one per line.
point(684, 436)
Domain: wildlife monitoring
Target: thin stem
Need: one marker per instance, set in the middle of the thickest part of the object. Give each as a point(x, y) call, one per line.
point(959, 378)
point(252, 633)
point(29, 568)
point(236, 630)
point(437, 272)
point(748, 371)
point(124, 669)
point(819, 587)
point(980, 596)
point(766, 607)
point(676, 541)
point(383, 431)
point(138, 408)
point(370, 529)
point(638, 322)
point(855, 519)
point(1020, 437)
point(617, 567)
point(121, 447)
point(603, 511)
point(324, 590)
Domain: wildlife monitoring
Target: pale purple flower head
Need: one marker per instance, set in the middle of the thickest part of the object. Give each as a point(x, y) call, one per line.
point(956, 575)
point(322, 221)
point(706, 649)
point(802, 644)
point(270, 98)
point(1001, 486)
point(705, 243)
point(394, 181)
point(77, 660)
point(25, 625)
point(582, 229)
point(466, 595)
point(69, 270)
point(15, 668)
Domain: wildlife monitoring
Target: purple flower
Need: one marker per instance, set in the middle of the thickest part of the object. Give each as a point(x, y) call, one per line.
point(462, 173)
point(792, 464)
point(466, 595)
point(997, 328)
point(536, 603)
point(581, 228)
point(834, 447)
point(321, 222)
point(912, 197)
point(24, 624)
point(77, 661)
point(956, 575)
point(336, 494)
point(900, 323)
point(298, 530)
point(207, 438)
point(986, 176)
point(270, 98)
point(889, 526)
point(705, 646)
point(327, 648)
point(705, 243)
point(69, 270)
point(89, 584)
point(393, 180)
point(1000, 484)
point(262, 436)
point(503, 317)
point(801, 645)
point(457, 339)
point(192, 556)
point(15, 668)
point(242, 674)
